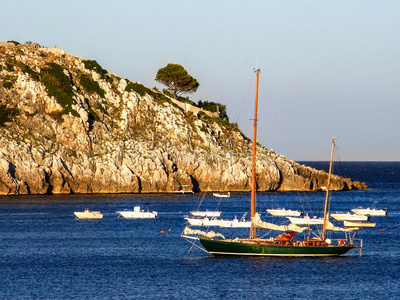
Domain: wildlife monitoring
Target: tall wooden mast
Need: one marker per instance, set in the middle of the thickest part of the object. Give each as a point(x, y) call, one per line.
point(253, 168)
point(326, 214)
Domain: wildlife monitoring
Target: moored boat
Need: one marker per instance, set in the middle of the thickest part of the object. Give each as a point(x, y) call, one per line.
point(206, 221)
point(306, 220)
point(217, 222)
point(184, 189)
point(206, 213)
point(276, 247)
point(87, 214)
point(235, 222)
point(284, 244)
point(281, 212)
point(349, 217)
point(371, 211)
point(137, 213)
point(222, 194)
point(347, 223)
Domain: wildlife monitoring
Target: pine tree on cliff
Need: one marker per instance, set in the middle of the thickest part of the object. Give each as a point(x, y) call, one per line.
point(177, 79)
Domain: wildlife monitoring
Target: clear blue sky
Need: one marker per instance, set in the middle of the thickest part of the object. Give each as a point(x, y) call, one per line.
point(329, 68)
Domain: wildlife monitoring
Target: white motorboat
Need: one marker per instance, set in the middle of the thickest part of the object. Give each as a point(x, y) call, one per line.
point(216, 222)
point(306, 220)
point(183, 190)
point(358, 224)
point(235, 223)
point(87, 214)
point(281, 212)
point(203, 221)
point(206, 213)
point(222, 194)
point(349, 217)
point(370, 211)
point(138, 213)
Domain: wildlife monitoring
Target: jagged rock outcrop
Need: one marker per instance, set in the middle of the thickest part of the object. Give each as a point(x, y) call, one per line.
point(68, 126)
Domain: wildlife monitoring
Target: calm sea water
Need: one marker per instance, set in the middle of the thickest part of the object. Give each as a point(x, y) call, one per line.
point(46, 254)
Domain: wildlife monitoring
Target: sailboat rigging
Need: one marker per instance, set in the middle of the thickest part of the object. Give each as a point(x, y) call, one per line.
point(284, 244)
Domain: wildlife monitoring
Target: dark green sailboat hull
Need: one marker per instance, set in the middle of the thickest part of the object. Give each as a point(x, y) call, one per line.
point(218, 247)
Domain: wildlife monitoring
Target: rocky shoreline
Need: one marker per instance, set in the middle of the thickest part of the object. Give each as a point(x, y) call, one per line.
point(69, 127)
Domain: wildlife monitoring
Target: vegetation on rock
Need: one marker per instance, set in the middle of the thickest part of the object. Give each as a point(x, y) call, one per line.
point(7, 114)
point(90, 85)
point(59, 86)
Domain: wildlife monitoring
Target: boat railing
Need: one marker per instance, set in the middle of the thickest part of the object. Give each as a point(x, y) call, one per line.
point(356, 243)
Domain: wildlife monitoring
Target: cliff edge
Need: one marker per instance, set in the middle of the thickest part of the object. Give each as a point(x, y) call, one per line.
point(69, 126)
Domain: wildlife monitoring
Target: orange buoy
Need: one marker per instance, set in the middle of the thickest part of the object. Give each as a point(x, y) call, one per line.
point(162, 231)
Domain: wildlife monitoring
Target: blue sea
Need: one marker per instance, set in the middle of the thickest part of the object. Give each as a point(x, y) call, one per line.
point(45, 253)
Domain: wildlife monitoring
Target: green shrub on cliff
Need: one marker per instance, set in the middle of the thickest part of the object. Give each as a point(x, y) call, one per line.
point(94, 66)
point(7, 114)
point(10, 65)
point(59, 86)
point(136, 87)
point(27, 70)
point(212, 106)
point(90, 85)
point(9, 81)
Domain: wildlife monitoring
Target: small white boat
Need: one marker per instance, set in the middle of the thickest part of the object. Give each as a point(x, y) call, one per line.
point(203, 221)
point(358, 224)
point(222, 194)
point(137, 213)
point(194, 221)
point(235, 223)
point(281, 212)
point(216, 222)
point(183, 190)
point(349, 217)
point(306, 220)
point(206, 213)
point(370, 211)
point(88, 214)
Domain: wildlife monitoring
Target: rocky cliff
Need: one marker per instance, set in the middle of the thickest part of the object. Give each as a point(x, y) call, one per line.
point(68, 126)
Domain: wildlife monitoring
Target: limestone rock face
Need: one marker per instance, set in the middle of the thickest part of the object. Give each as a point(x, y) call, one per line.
point(68, 126)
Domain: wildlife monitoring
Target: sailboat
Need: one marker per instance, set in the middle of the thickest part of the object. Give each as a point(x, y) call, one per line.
point(284, 244)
